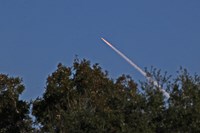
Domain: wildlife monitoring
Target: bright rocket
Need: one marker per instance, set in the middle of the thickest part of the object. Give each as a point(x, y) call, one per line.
point(147, 76)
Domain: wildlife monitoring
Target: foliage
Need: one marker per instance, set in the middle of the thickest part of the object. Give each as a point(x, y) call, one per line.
point(184, 104)
point(83, 98)
point(14, 113)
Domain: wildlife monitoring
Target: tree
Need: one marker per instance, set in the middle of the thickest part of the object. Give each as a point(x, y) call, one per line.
point(83, 98)
point(183, 114)
point(14, 113)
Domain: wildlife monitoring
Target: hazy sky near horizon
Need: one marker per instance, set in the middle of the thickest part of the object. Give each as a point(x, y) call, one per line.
point(35, 35)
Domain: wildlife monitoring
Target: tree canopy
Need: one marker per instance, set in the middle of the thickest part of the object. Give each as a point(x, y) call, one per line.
point(14, 113)
point(83, 98)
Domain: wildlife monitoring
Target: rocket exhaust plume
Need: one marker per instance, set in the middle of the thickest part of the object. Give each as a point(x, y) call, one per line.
point(149, 78)
point(126, 58)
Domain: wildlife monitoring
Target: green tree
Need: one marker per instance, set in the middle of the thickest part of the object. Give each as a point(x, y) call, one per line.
point(83, 98)
point(183, 114)
point(14, 113)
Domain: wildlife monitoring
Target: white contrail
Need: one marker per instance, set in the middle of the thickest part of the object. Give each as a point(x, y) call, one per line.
point(149, 78)
point(126, 58)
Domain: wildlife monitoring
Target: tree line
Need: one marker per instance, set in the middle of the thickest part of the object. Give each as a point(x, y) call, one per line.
point(83, 98)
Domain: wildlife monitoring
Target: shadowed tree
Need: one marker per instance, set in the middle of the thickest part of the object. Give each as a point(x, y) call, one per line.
point(83, 98)
point(184, 104)
point(14, 113)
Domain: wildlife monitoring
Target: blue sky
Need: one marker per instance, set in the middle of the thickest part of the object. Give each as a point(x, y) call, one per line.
point(35, 35)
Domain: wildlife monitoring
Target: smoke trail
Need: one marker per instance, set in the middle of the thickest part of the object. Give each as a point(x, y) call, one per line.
point(126, 58)
point(149, 78)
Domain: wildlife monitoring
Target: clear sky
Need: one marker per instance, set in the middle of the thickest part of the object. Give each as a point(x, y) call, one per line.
point(35, 35)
